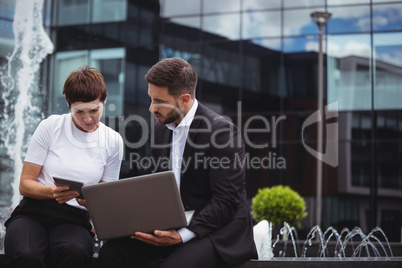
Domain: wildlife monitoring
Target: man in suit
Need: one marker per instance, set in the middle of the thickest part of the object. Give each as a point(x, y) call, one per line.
point(206, 154)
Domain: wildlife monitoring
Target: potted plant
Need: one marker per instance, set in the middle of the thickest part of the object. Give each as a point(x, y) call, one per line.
point(277, 205)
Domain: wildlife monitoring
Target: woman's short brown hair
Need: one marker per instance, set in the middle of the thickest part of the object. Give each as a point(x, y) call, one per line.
point(85, 84)
point(174, 73)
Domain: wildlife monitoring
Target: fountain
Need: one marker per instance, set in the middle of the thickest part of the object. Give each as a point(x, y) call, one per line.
point(351, 248)
point(19, 81)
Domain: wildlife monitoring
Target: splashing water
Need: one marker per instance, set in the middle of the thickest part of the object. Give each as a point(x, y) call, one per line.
point(311, 236)
point(332, 232)
point(18, 80)
point(343, 239)
point(367, 244)
point(287, 231)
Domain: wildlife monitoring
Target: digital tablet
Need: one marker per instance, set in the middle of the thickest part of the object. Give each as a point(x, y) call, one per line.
point(73, 184)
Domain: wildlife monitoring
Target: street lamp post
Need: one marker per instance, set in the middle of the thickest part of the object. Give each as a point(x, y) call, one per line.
point(320, 18)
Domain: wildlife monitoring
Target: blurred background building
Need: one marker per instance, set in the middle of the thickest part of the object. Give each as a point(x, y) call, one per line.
point(257, 64)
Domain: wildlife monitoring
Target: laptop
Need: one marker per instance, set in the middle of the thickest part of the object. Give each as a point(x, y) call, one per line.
point(143, 203)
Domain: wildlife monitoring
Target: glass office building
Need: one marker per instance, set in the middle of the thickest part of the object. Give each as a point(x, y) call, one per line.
point(257, 62)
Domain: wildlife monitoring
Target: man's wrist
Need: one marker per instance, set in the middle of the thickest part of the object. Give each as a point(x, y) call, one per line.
point(186, 235)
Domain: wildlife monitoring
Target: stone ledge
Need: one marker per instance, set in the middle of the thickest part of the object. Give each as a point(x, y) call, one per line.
point(279, 262)
point(324, 262)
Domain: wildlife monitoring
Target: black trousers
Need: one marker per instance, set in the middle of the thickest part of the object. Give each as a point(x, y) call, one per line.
point(43, 233)
point(128, 252)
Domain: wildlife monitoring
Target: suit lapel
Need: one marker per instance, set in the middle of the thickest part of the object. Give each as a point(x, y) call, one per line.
point(167, 139)
point(163, 140)
point(188, 149)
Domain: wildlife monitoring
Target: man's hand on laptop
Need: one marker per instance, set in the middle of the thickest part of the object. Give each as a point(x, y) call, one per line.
point(159, 238)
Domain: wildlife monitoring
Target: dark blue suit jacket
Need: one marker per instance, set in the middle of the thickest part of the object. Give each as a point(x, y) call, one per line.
point(213, 183)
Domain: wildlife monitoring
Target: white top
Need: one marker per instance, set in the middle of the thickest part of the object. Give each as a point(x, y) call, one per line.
point(65, 151)
point(179, 138)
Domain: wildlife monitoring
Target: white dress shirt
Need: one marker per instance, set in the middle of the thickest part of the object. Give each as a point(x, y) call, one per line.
point(179, 138)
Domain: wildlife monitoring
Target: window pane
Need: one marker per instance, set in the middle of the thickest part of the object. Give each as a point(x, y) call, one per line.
point(213, 6)
point(66, 62)
point(260, 4)
point(388, 71)
point(223, 25)
point(300, 44)
point(385, 1)
point(270, 43)
point(72, 12)
point(187, 51)
point(387, 17)
point(348, 66)
point(261, 72)
point(181, 36)
point(6, 38)
point(110, 62)
point(297, 22)
point(7, 9)
point(109, 10)
point(220, 65)
point(193, 22)
point(138, 34)
point(355, 125)
point(303, 3)
point(299, 73)
point(388, 124)
point(388, 48)
point(349, 19)
point(179, 7)
point(252, 22)
point(347, 2)
point(360, 154)
point(389, 157)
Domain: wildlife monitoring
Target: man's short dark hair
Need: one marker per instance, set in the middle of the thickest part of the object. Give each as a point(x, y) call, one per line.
point(174, 73)
point(85, 84)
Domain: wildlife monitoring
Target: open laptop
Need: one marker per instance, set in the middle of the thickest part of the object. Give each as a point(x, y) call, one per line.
point(143, 203)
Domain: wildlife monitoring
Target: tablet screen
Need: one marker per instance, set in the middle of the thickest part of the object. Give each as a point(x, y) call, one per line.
point(74, 185)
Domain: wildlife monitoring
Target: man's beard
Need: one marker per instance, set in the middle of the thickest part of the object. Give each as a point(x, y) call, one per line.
point(172, 116)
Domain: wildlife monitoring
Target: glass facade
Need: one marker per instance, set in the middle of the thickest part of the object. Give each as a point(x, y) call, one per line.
point(257, 63)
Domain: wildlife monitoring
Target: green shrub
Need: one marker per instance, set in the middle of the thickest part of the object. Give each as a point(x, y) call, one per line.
point(277, 205)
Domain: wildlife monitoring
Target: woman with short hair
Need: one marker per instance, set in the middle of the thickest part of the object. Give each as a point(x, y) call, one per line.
point(50, 227)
